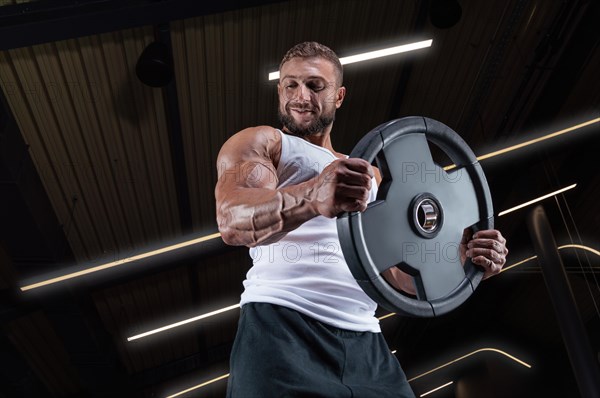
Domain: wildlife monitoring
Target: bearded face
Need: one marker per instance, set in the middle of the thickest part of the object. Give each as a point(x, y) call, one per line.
point(308, 96)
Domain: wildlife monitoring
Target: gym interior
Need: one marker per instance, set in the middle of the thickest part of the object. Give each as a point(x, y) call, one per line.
point(114, 281)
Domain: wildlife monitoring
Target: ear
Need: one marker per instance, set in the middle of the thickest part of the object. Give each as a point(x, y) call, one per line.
point(340, 95)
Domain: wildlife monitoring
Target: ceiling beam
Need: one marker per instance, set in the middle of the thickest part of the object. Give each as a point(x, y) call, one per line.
point(46, 21)
point(162, 34)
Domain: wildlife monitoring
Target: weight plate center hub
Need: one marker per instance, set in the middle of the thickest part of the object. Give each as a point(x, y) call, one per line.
point(427, 215)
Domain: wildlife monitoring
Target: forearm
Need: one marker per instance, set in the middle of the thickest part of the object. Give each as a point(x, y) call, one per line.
point(400, 280)
point(257, 216)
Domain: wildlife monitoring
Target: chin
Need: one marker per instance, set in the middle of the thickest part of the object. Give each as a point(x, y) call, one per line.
point(314, 127)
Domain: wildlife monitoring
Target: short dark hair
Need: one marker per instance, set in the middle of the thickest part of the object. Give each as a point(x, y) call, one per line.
point(310, 49)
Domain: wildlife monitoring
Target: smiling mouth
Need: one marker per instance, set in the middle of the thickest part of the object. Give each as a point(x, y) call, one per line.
point(302, 111)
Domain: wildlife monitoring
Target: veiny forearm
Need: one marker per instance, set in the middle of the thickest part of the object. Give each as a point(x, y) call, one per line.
point(257, 216)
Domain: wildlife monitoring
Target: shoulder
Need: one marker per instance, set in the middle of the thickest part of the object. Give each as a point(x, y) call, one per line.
point(256, 136)
point(260, 132)
point(258, 143)
point(260, 140)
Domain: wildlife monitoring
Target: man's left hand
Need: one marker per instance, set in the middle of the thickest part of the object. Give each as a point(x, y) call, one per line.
point(486, 248)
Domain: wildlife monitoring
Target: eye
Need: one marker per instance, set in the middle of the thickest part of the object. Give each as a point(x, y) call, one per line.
point(316, 87)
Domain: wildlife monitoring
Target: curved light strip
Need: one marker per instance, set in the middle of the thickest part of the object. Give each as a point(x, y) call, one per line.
point(582, 247)
point(216, 235)
point(374, 54)
point(517, 360)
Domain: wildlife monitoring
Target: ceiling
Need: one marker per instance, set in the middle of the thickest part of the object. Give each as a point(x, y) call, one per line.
point(96, 167)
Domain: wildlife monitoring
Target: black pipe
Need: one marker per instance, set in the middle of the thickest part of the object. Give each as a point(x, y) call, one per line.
point(583, 362)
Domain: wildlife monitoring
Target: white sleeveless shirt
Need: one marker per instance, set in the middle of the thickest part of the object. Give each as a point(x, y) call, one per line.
point(306, 270)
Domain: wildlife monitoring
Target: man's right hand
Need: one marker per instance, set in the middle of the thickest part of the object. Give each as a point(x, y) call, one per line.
point(343, 186)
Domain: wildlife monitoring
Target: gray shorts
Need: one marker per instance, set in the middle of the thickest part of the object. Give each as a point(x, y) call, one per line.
point(279, 352)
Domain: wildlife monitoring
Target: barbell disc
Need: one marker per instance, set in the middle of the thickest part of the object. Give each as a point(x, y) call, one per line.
point(417, 220)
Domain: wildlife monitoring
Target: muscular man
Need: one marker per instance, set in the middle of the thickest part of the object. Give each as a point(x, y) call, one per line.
point(306, 328)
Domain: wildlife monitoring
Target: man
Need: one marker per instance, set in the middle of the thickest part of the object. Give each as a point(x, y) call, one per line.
point(306, 328)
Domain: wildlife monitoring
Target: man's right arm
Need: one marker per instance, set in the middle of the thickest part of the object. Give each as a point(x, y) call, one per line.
point(252, 211)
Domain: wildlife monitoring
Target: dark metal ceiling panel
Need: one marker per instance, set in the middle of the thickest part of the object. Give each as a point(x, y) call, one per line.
point(98, 139)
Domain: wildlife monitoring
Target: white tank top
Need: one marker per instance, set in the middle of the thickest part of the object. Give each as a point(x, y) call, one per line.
point(306, 270)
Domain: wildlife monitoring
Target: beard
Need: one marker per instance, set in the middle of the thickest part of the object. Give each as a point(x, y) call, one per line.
point(315, 127)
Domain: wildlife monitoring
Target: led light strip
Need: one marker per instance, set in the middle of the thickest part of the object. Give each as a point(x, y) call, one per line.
point(504, 269)
point(531, 142)
point(536, 140)
point(203, 316)
point(184, 322)
point(199, 386)
point(536, 200)
point(121, 262)
point(435, 389)
point(374, 54)
point(386, 316)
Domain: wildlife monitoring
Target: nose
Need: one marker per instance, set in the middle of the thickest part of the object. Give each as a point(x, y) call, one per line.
point(301, 93)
